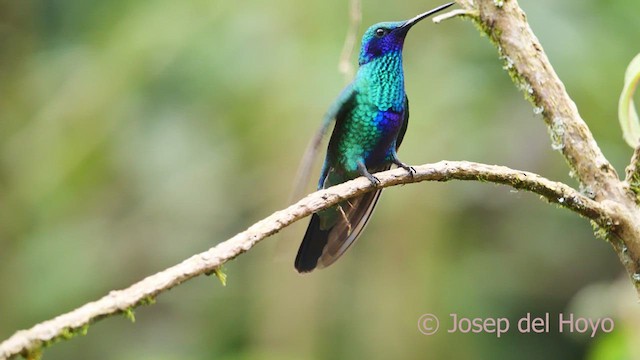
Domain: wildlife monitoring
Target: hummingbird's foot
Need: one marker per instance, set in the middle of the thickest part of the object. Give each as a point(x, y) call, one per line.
point(410, 169)
point(362, 169)
point(374, 180)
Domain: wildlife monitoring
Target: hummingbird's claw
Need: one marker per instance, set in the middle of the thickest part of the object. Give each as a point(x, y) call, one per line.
point(362, 169)
point(374, 180)
point(410, 169)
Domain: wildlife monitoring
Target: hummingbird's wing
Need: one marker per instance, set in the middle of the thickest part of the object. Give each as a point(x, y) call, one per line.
point(331, 233)
point(354, 214)
point(405, 122)
point(311, 153)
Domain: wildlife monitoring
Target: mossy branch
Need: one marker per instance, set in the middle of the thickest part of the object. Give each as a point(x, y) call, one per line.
point(632, 173)
point(144, 292)
point(506, 26)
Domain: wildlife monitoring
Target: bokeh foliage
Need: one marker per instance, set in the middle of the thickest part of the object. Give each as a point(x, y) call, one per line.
point(136, 133)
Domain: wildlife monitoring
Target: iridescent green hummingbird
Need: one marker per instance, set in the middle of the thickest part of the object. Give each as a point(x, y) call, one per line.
point(371, 117)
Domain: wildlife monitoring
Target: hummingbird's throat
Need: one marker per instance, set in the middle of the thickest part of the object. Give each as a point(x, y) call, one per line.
point(386, 82)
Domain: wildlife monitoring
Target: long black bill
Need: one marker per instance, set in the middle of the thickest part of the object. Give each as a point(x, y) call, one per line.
point(409, 23)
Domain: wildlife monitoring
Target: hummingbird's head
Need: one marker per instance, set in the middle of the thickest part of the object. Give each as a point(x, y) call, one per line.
point(387, 37)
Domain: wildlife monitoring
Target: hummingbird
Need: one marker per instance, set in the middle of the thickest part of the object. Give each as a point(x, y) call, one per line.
point(371, 116)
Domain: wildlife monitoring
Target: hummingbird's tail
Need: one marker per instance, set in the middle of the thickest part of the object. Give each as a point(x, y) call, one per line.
point(322, 247)
point(315, 239)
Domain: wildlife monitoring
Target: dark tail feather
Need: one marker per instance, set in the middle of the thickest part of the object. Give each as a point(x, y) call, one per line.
point(321, 248)
point(315, 239)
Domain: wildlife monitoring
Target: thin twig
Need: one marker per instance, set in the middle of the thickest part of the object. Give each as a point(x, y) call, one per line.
point(453, 14)
point(145, 291)
point(345, 66)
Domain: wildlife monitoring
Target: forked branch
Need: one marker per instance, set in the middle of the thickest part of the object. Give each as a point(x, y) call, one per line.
point(605, 199)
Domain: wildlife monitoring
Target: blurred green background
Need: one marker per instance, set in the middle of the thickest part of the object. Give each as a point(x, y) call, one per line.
point(134, 134)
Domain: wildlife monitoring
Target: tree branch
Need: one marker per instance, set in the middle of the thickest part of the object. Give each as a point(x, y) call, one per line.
point(145, 291)
point(505, 24)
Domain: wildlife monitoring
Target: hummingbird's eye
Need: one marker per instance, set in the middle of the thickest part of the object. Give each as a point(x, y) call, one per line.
point(380, 32)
